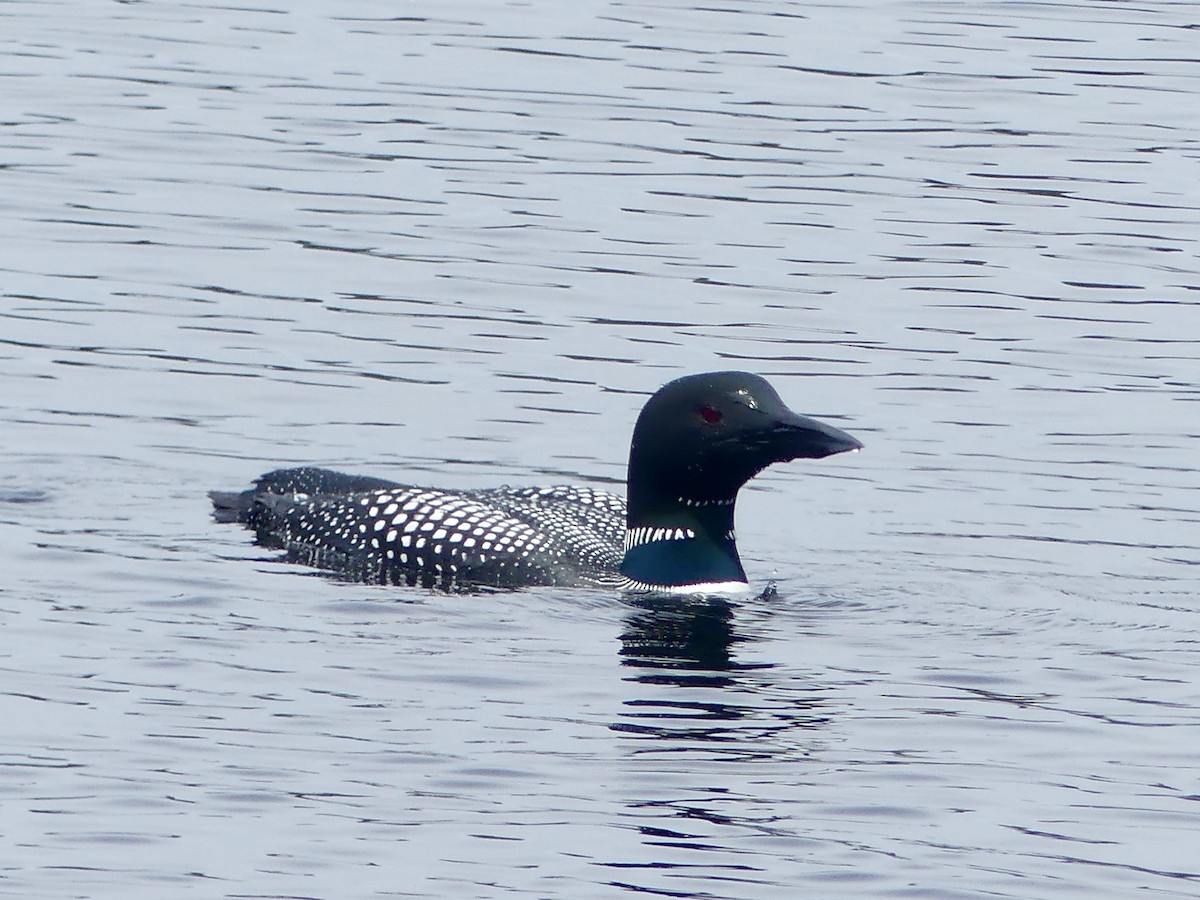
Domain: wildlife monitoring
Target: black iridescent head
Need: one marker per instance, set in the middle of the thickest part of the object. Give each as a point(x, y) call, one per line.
point(701, 437)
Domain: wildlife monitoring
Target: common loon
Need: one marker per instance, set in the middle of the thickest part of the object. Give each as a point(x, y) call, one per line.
point(697, 441)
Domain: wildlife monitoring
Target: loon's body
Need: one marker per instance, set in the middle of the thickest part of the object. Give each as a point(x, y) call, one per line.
point(696, 442)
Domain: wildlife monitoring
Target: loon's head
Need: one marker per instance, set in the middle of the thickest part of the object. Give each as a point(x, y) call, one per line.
point(696, 442)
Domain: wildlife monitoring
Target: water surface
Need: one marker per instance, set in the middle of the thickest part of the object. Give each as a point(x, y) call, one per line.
point(459, 245)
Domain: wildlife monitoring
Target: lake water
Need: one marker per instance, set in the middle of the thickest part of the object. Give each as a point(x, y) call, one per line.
point(458, 244)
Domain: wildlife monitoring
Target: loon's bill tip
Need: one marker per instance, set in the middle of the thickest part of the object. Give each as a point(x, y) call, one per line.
point(848, 444)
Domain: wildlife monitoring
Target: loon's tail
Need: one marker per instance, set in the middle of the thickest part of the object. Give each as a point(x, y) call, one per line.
point(247, 507)
point(232, 506)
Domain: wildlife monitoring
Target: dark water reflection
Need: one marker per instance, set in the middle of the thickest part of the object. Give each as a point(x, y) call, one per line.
point(722, 706)
point(677, 635)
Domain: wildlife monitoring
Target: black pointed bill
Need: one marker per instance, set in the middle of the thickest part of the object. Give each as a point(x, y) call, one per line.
point(798, 437)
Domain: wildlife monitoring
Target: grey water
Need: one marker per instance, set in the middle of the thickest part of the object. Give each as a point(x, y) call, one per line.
point(458, 244)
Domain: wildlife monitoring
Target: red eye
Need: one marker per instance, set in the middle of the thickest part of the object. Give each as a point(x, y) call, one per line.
point(711, 414)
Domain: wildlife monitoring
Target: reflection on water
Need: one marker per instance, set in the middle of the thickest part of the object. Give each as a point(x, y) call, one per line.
point(712, 701)
point(679, 636)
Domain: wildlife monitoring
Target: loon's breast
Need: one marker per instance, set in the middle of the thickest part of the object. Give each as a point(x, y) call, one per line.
point(379, 531)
